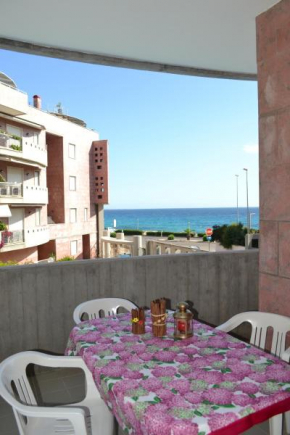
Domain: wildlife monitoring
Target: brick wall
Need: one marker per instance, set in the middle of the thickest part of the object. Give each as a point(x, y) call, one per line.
point(273, 51)
point(21, 256)
point(55, 178)
point(99, 163)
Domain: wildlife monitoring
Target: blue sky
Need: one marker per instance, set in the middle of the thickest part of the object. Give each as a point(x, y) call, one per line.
point(175, 141)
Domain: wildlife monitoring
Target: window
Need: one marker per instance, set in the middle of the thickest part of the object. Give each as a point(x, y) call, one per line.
point(85, 214)
point(72, 183)
point(71, 151)
point(37, 217)
point(73, 247)
point(36, 178)
point(73, 215)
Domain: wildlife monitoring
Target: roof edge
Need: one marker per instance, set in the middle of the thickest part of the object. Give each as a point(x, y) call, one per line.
point(120, 62)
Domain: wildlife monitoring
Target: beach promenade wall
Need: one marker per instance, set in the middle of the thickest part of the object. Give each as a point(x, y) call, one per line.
point(37, 301)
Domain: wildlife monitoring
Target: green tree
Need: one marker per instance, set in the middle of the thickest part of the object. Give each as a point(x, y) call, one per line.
point(233, 235)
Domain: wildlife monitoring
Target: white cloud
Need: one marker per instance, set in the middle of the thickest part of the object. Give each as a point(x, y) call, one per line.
point(251, 148)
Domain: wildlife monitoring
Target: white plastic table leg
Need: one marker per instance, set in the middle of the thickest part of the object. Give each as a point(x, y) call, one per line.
point(287, 421)
point(276, 424)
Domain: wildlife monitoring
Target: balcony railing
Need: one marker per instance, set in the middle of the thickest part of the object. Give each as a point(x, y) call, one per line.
point(11, 190)
point(9, 141)
point(11, 238)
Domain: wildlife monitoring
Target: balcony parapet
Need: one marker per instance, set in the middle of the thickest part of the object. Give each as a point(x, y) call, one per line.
point(18, 193)
point(13, 101)
point(219, 284)
point(35, 194)
point(36, 236)
point(13, 240)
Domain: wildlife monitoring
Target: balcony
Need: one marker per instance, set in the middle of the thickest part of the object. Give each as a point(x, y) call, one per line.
point(24, 150)
point(36, 236)
point(10, 190)
point(10, 142)
point(35, 195)
point(10, 240)
point(13, 240)
point(13, 101)
point(19, 193)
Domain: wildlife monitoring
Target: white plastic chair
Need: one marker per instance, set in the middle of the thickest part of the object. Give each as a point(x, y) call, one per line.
point(93, 308)
point(91, 416)
point(260, 323)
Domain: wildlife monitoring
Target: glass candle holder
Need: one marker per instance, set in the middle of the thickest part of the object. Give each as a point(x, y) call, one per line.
point(183, 321)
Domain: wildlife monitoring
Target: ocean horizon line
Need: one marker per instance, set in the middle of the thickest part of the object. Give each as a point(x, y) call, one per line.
point(182, 208)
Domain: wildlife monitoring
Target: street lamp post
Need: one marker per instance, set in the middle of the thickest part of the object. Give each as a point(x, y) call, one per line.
point(238, 217)
point(248, 216)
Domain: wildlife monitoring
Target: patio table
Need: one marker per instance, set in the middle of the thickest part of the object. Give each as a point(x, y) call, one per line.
point(211, 383)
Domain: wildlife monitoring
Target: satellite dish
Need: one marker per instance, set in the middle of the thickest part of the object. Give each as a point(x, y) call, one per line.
point(7, 80)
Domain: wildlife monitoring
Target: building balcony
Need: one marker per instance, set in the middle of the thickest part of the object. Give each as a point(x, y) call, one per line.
point(13, 101)
point(13, 240)
point(36, 236)
point(24, 194)
point(23, 150)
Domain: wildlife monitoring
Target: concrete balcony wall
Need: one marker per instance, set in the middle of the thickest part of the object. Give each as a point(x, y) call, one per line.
point(13, 101)
point(35, 194)
point(33, 152)
point(12, 193)
point(37, 301)
point(30, 153)
point(33, 236)
point(36, 236)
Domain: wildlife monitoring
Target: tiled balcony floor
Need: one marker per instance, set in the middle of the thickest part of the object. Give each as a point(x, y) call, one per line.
point(58, 386)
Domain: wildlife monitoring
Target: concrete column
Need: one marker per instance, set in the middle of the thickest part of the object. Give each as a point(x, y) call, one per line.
point(273, 55)
point(107, 250)
point(137, 246)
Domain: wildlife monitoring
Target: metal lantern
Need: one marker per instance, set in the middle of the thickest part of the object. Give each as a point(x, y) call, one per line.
point(183, 321)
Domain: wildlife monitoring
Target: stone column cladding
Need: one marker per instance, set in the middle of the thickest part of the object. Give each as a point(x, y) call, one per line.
point(273, 56)
point(100, 165)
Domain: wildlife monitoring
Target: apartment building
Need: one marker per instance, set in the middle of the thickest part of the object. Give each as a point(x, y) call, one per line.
point(53, 181)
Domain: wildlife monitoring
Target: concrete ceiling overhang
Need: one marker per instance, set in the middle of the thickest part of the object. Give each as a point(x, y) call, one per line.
point(197, 37)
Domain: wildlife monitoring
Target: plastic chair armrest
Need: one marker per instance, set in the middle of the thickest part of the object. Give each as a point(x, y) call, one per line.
point(75, 415)
point(227, 326)
point(59, 361)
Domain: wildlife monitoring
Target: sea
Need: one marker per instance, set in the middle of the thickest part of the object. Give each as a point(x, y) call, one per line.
point(179, 219)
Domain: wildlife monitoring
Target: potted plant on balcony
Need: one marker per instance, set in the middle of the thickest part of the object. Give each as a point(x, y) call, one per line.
point(3, 226)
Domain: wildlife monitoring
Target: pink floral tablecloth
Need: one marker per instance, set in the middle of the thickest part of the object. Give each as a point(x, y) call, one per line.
point(211, 383)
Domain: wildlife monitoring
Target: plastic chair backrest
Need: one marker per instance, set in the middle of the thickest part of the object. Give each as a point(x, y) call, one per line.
point(261, 322)
point(95, 307)
point(15, 387)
